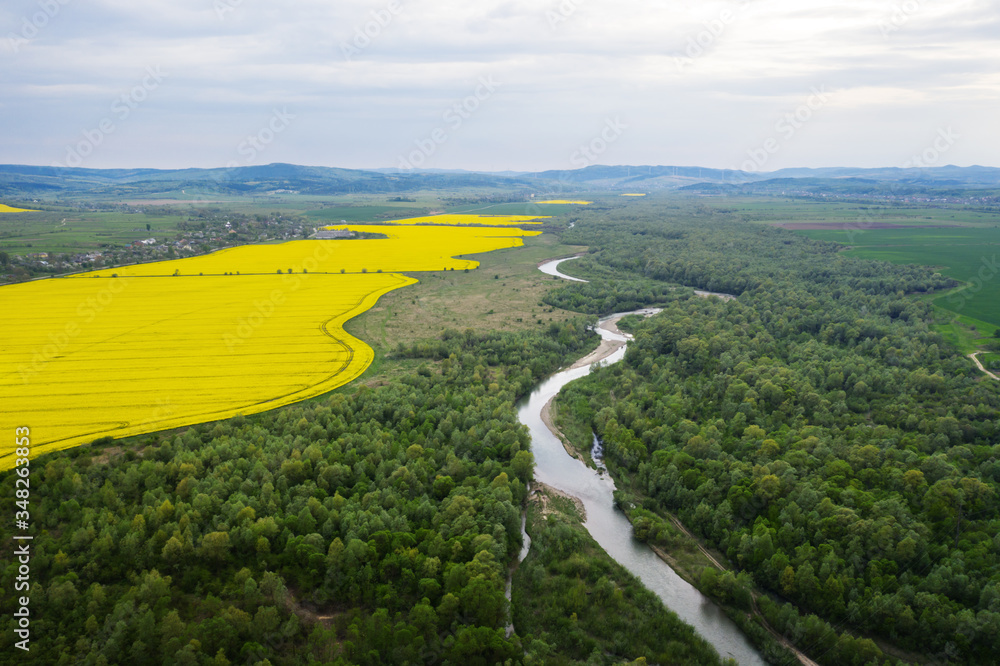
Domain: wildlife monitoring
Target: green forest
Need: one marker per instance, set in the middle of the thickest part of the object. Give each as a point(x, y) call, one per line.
point(816, 430)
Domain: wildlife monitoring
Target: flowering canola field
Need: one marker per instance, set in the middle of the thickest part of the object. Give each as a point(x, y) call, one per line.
point(407, 248)
point(462, 219)
point(92, 355)
point(4, 208)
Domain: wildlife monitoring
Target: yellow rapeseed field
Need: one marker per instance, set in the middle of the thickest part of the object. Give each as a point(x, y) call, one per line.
point(92, 355)
point(407, 248)
point(4, 208)
point(563, 201)
point(463, 219)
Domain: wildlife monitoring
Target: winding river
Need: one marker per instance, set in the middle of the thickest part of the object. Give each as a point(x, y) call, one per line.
point(608, 524)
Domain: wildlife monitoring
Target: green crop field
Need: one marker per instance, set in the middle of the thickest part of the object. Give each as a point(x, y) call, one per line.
point(968, 254)
point(971, 254)
point(73, 231)
point(859, 216)
point(335, 214)
point(523, 208)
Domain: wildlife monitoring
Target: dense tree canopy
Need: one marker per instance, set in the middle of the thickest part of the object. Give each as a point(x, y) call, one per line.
point(816, 429)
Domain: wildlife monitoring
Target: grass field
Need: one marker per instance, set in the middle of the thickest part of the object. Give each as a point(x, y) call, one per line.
point(505, 293)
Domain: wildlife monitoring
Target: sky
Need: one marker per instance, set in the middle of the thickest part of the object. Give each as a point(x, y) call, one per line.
point(497, 85)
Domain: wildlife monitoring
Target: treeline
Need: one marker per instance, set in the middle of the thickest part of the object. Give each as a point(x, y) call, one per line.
point(605, 297)
point(370, 527)
point(816, 430)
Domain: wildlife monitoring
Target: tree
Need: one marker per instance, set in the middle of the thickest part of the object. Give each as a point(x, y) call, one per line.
point(215, 546)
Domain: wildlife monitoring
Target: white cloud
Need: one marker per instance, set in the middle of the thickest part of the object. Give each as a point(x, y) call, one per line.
point(566, 65)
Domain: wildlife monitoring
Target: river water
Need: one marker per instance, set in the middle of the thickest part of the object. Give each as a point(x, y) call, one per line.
point(612, 530)
point(552, 268)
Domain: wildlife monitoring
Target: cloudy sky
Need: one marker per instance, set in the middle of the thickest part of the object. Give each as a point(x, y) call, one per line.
point(500, 84)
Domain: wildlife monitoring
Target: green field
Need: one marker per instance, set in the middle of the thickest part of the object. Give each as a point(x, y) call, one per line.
point(969, 254)
point(523, 208)
point(335, 214)
point(72, 231)
point(990, 361)
point(859, 215)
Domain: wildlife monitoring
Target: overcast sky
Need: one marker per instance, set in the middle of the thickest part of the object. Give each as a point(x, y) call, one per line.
point(500, 84)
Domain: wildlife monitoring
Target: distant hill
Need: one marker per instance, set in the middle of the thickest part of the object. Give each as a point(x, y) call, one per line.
point(38, 181)
point(248, 180)
point(692, 177)
point(862, 187)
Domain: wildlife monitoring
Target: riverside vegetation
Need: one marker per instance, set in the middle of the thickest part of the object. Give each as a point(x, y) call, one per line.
point(816, 430)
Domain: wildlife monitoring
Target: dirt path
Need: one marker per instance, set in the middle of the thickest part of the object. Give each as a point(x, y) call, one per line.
point(697, 542)
point(980, 365)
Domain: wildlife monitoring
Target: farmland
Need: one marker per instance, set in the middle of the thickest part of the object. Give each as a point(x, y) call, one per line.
point(406, 248)
point(125, 351)
point(462, 219)
point(967, 253)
